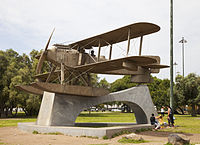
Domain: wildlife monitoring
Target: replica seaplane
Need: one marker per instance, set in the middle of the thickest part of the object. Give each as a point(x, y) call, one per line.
point(72, 66)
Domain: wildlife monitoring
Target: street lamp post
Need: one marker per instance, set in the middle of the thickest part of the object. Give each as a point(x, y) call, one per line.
point(171, 54)
point(183, 41)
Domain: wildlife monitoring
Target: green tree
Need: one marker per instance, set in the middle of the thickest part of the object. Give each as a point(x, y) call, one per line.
point(159, 92)
point(188, 89)
point(13, 65)
point(122, 84)
point(30, 103)
point(3, 68)
point(104, 84)
point(158, 89)
point(17, 69)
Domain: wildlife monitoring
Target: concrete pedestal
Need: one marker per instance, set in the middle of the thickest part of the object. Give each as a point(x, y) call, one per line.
point(62, 110)
point(109, 130)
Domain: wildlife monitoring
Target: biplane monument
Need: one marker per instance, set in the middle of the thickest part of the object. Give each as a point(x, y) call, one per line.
point(67, 88)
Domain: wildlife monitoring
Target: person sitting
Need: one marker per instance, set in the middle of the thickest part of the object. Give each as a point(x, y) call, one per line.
point(153, 120)
point(92, 53)
point(160, 122)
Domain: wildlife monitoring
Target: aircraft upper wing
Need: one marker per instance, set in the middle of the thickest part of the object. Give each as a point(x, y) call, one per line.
point(118, 35)
point(129, 63)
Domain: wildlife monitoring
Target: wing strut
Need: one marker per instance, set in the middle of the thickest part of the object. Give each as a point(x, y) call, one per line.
point(128, 47)
point(110, 52)
point(51, 73)
point(140, 51)
point(62, 73)
point(99, 50)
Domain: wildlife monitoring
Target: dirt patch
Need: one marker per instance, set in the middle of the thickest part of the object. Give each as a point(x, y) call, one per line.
point(14, 136)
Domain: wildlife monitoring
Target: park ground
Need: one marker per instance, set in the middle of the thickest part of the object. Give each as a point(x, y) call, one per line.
point(11, 135)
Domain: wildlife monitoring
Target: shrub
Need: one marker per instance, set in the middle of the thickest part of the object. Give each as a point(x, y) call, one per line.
point(105, 137)
point(125, 140)
point(35, 132)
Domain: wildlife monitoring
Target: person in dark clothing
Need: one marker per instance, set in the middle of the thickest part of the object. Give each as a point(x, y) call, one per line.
point(170, 117)
point(153, 120)
point(92, 53)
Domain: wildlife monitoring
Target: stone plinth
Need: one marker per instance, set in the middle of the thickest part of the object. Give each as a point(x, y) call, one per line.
point(62, 110)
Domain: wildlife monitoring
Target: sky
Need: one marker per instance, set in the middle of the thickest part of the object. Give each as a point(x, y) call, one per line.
point(26, 25)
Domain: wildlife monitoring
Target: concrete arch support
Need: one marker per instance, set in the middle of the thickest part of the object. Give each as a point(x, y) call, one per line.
point(62, 110)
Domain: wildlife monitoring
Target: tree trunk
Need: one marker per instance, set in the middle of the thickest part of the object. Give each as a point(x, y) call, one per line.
point(128, 109)
point(16, 111)
point(89, 110)
point(10, 111)
point(198, 110)
point(26, 113)
point(30, 113)
point(193, 113)
point(6, 112)
point(2, 113)
point(182, 111)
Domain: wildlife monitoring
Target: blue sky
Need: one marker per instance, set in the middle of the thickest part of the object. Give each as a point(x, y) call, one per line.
point(27, 24)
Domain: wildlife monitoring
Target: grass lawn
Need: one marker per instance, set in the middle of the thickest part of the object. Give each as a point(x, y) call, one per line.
point(125, 141)
point(13, 122)
point(186, 123)
point(105, 117)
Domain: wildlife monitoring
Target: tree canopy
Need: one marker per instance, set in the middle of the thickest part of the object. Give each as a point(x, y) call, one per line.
point(17, 69)
point(187, 91)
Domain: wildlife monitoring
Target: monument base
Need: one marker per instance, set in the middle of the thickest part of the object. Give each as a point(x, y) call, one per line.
point(85, 131)
point(58, 113)
point(62, 110)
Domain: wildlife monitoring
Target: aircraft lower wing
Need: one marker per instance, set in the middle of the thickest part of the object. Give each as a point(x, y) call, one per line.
point(129, 63)
point(122, 66)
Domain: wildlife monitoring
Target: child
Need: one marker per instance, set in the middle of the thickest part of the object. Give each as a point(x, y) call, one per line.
point(160, 122)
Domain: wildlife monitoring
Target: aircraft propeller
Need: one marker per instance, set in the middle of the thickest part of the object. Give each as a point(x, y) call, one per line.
point(43, 55)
